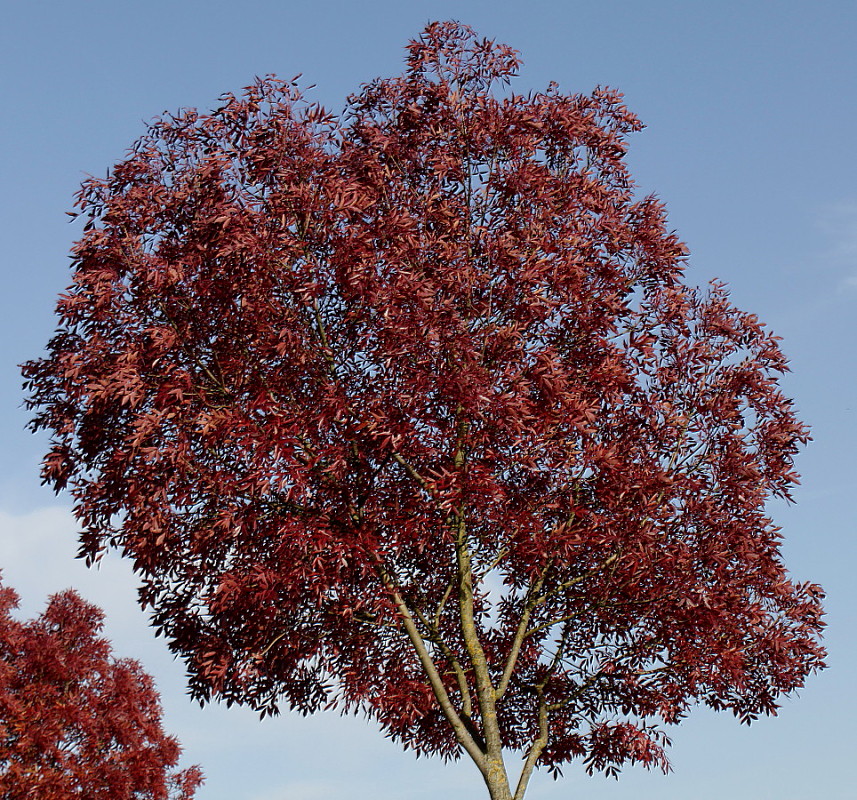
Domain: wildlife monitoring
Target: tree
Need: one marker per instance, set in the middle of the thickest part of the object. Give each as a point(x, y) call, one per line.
point(410, 411)
point(75, 722)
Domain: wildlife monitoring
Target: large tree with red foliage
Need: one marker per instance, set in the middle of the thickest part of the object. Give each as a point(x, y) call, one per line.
point(410, 411)
point(75, 723)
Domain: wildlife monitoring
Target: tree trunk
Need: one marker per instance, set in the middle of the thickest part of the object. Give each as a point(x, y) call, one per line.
point(497, 781)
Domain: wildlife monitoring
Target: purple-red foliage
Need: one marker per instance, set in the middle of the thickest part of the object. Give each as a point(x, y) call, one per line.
point(75, 723)
point(411, 410)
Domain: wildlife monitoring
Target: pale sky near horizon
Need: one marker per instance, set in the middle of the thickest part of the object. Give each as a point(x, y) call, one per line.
point(751, 110)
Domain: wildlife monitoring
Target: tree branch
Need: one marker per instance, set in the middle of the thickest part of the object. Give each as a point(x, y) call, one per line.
point(462, 734)
point(574, 581)
point(520, 634)
point(458, 670)
point(442, 603)
point(551, 623)
point(536, 750)
point(485, 691)
point(424, 484)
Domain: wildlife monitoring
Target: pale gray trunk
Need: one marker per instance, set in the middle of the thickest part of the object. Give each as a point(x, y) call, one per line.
point(496, 780)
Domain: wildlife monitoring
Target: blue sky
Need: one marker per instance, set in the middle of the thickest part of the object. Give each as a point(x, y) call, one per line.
point(750, 111)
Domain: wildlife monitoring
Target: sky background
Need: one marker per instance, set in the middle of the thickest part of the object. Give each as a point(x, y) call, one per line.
point(751, 117)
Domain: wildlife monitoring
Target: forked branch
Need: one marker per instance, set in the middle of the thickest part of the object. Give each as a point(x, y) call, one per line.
point(462, 734)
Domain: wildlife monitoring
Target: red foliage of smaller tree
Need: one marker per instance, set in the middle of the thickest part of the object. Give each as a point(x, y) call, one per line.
point(75, 722)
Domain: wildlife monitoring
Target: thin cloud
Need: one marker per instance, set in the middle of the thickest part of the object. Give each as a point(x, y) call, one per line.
point(37, 556)
point(839, 225)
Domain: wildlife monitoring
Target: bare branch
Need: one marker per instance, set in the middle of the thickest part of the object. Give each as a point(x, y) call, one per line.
point(485, 691)
point(271, 644)
point(442, 604)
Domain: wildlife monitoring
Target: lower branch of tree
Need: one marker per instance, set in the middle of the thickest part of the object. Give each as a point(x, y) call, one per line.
point(462, 734)
point(536, 749)
point(460, 676)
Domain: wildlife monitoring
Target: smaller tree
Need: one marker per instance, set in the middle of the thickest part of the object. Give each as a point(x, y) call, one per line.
point(75, 722)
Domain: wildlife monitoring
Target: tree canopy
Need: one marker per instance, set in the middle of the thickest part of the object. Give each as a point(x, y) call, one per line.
point(410, 410)
point(76, 723)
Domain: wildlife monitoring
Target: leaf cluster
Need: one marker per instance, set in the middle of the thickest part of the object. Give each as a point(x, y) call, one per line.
point(76, 723)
